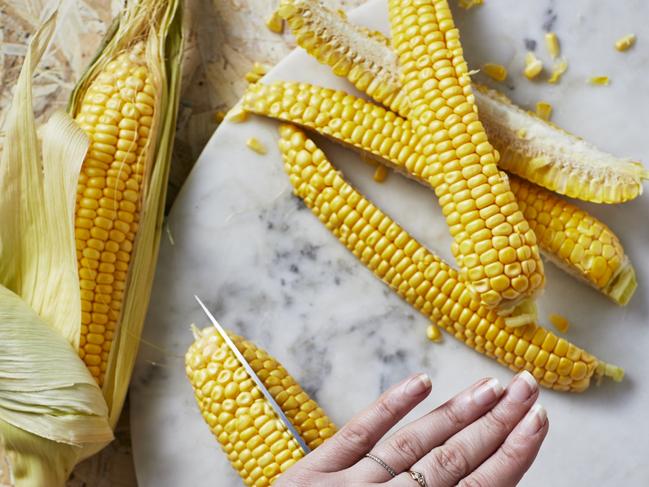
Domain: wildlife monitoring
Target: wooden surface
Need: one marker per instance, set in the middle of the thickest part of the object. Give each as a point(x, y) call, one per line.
point(225, 38)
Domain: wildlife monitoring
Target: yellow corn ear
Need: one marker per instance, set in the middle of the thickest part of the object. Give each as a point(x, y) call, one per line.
point(424, 280)
point(572, 238)
point(257, 444)
point(116, 113)
point(567, 162)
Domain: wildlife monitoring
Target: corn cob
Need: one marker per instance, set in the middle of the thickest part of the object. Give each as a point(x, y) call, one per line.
point(257, 445)
point(569, 236)
point(424, 280)
point(550, 157)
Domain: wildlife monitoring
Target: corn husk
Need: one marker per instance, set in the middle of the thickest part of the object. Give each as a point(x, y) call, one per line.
point(52, 413)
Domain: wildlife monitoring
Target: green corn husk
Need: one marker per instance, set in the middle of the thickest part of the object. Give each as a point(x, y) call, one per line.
point(52, 413)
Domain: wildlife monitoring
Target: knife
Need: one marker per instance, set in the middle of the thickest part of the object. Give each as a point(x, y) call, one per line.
point(253, 375)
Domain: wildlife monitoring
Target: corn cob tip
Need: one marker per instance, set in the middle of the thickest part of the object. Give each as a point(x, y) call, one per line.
point(609, 370)
point(623, 285)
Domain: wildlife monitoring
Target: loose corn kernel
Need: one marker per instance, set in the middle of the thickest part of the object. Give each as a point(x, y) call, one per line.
point(469, 4)
point(275, 23)
point(434, 288)
point(599, 80)
point(256, 442)
point(381, 173)
point(496, 72)
point(219, 116)
point(533, 66)
point(552, 44)
point(237, 114)
point(521, 133)
point(433, 333)
point(543, 110)
point(257, 71)
point(560, 67)
point(559, 322)
point(256, 145)
point(624, 43)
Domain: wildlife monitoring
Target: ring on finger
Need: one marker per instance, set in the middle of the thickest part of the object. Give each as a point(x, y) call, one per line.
point(387, 467)
point(418, 477)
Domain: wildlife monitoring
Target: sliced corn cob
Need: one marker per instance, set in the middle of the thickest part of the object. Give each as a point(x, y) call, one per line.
point(569, 236)
point(552, 158)
point(254, 439)
point(490, 241)
point(424, 280)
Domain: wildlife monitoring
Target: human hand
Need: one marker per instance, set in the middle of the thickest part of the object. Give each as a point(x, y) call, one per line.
point(483, 437)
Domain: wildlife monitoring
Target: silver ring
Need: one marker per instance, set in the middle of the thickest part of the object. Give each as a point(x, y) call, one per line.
point(387, 467)
point(418, 477)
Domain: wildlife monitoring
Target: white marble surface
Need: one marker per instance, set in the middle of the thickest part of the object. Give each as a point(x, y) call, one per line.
point(269, 270)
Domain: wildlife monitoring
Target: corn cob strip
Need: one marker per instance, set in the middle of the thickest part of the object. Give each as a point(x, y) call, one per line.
point(116, 112)
point(257, 445)
point(549, 157)
point(424, 280)
point(574, 240)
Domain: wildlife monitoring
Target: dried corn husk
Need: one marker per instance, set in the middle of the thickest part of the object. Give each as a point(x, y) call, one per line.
point(52, 413)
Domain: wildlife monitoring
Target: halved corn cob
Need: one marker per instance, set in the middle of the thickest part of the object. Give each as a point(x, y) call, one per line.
point(254, 439)
point(569, 236)
point(424, 280)
point(550, 157)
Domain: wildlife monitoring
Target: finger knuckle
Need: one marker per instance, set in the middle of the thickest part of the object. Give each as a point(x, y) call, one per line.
point(408, 446)
point(452, 460)
point(452, 413)
point(498, 423)
point(511, 455)
point(357, 435)
point(474, 480)
point(386, 409)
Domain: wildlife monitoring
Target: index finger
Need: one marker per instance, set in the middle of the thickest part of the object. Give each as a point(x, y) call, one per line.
point(362, 432)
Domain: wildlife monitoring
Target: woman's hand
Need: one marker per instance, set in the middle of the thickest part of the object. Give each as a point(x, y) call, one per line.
point(485, 436)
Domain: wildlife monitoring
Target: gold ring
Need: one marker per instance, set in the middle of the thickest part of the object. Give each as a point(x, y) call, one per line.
point(387, 467)
point(418, 477)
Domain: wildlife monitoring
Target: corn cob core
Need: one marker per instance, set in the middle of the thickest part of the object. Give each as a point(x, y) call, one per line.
point(423, 279)
point(550, 157)
point(256, 442)
point(116, 114)
point(367, 127)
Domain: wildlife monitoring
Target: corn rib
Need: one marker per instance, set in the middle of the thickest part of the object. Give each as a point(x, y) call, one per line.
point(424, 280)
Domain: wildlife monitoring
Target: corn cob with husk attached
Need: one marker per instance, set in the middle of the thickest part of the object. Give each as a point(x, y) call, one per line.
point(257, 444)
point(426, 281)
point(569, 236)
point(80, 270)
point(547, 155)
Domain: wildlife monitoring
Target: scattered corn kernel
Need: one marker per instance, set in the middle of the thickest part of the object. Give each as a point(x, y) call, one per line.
point(558, 69)
point(469, 4)
point(624, 43)
point(533, 66)
point(497, 72)
point(237, 115)
point(380, 173)
point(599, 80)
point(552, 43)
point(433, 333)
point(559, 322)
point(256, 145)
point(543, 110)
point(275, 23)
point(257, 72)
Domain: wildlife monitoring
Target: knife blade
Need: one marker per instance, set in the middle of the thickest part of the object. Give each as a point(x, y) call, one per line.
point(253, 375)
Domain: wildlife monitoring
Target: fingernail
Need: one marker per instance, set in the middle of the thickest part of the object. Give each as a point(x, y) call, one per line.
point(534, 420)
point(487, 393)
point(418, 385)
point(523, 386)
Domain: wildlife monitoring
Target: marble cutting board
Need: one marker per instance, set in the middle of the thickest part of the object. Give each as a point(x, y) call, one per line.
point(270, 271)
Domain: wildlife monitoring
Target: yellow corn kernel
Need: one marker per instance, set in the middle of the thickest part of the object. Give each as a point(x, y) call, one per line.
point(219, 116)
point(496, 72)
point(119, 147)
point(275, 23)
point(521, 133)
point(533, 66)
point(560, 67)
point(256, 145)
point(599, 80)
point(434, 288)
point(543, 110)
point(624, 43)
point(237, 114)
point(239, 416)
point(381, 173)
point(560, 322)
point(469, 4)
point(257, 71)
point(552, 44)
point(433, 333)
